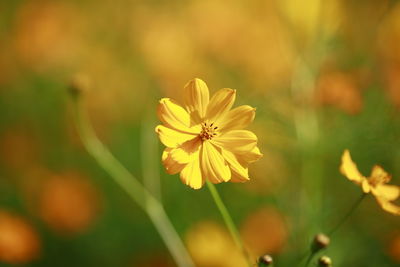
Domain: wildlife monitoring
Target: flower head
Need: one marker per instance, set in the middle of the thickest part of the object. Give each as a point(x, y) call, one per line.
point(205, 139)
point(324, 261)
point(376, 183)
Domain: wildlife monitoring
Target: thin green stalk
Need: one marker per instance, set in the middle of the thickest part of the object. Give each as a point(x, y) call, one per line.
point(130, 185)
point(312, 252)
point(228, 220)
point(348, 214)
point(309, 258)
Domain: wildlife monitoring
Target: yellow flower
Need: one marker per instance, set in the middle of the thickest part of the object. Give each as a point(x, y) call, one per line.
point(204, 140)
point(375, 184)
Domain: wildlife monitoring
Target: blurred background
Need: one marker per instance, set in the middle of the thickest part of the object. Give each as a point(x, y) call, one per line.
point(324, 76)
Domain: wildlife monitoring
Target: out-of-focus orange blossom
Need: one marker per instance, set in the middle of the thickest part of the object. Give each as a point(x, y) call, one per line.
point(19, 241)
point(340, 90)
point(392, 78)
point(394, 248)
point(68, 202)
point(264, 232)
point(19, 148)
point(211, 245)
point(46, 34)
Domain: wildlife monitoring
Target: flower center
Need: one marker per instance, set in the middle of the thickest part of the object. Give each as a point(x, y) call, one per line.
point(208, 131)
point(381, 179)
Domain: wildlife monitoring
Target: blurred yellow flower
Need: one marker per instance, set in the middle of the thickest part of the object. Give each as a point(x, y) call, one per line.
point(205, 139)
point(210, 244)
point(339, 89)
point(375, 184)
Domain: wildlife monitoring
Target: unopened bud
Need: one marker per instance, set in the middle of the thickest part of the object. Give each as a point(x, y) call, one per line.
point(79, 84)
point(325, 261)
point(265, 260)
point(321, 241)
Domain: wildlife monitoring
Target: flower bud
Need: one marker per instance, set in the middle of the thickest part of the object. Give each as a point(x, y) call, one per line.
point(321, 241)
point(265, 260)
point(79, 83)
point(325, 261)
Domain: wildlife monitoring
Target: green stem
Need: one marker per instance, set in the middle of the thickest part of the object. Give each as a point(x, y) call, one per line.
point(348, 214)
point(228, 220)
point(131, 186)
point(309, 258)
point(312, 252)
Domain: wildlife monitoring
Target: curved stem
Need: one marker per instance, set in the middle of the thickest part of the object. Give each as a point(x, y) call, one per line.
point(312, 252)
point(228, 220)
point(348, 214)
point(131, 186)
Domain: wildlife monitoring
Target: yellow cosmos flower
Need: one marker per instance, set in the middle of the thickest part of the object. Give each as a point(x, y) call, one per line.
point(376, 184)
point(205, 139)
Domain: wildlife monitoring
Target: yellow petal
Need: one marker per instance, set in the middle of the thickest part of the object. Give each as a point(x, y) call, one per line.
point(180, 156)
point(236, 141)
point(365, 186)
point(250, 156)
point(174, 116)
point(165, 154)
point(184, 153)
point(196, 97)
point(236, 178)
point(220, 104)
point(213, 165)
point(349, 169)
point(172, 138)
point(389, 192)
point(379, 175)
point(191, 175)
point(237, 118)
point(241, 173)
point(388, 206)
point(171, 166)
